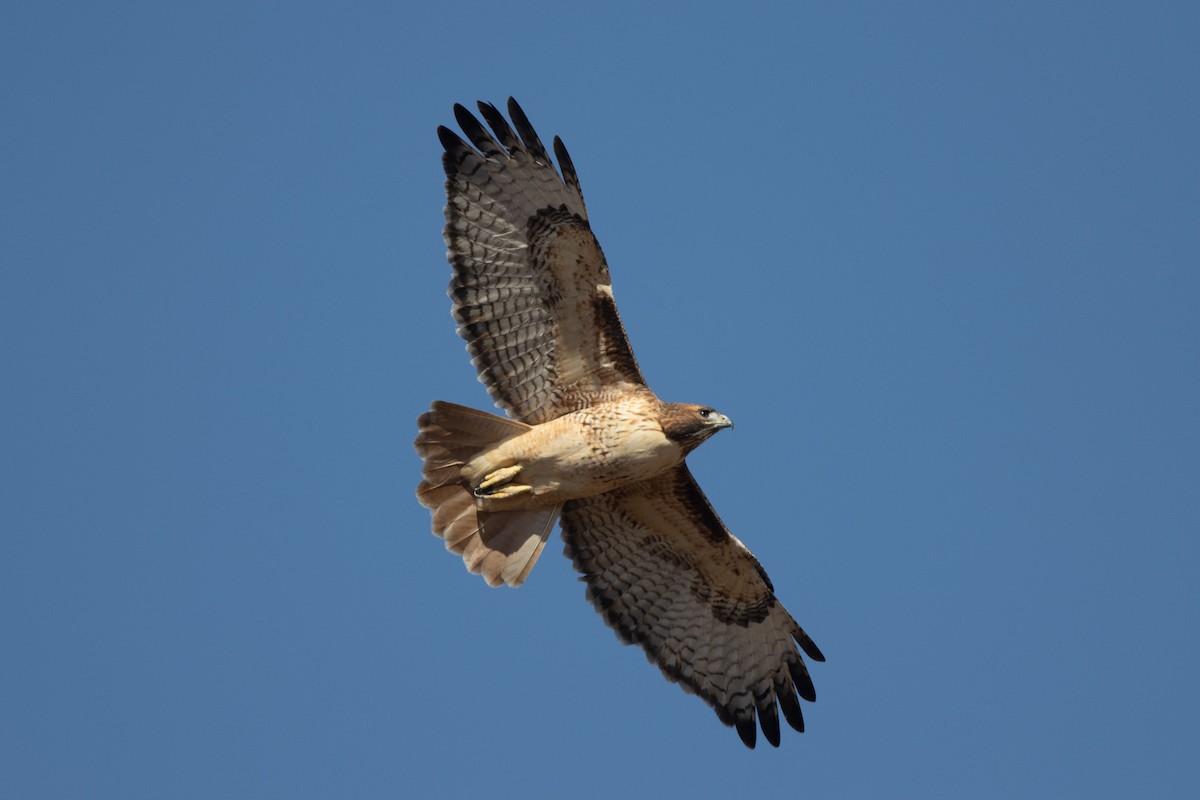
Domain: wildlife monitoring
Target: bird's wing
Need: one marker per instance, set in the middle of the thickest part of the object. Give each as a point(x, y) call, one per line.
point(531, 290)
point(667, 575)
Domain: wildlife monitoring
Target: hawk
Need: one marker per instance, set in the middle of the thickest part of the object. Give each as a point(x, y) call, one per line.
point(587, 443)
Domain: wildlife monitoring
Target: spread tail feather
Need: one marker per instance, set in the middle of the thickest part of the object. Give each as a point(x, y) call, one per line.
point(502, 546)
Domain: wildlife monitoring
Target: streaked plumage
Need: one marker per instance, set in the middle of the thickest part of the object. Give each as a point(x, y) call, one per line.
point(588, 444)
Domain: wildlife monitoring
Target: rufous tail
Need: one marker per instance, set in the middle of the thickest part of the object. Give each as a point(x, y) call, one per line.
point(502, 546)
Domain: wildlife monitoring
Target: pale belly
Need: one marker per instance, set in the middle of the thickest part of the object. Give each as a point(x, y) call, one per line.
point(578, 455)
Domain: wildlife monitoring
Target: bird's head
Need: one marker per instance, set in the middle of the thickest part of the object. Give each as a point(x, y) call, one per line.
point(690, 425)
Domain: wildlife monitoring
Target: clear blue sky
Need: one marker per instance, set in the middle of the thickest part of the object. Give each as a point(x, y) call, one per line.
point(940, 262)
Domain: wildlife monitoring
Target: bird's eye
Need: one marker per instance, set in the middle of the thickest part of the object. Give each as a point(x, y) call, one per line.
point(704, 412)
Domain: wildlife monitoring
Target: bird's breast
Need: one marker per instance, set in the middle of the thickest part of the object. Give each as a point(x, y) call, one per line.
point(582, 454)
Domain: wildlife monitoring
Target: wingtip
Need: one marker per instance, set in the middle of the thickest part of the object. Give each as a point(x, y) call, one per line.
point(768, 717)
point(790, 706)
point(488, 110)
point(807, 644)
point(449, 139)
point(803, 681)
point(747, 730)
point(529, 136)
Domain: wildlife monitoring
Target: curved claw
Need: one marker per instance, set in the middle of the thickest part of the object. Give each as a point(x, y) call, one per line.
point(511, 490)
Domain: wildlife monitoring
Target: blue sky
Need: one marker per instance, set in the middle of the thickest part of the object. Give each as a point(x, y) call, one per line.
point(939, 261)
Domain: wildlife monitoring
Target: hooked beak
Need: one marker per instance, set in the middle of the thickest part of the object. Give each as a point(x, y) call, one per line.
point(722, 421)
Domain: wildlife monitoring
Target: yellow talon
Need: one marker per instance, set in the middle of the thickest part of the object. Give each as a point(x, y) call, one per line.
point(499, 476)
point(512, 490)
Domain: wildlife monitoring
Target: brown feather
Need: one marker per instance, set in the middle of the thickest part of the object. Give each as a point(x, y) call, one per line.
point(501, 546)
point(668, 576)
point(531, 291)
point(532, 297)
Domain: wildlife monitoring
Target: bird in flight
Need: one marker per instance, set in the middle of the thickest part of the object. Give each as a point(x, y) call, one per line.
point(586, 442)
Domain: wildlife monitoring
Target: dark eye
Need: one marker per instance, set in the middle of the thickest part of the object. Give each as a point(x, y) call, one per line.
point(704, 412)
